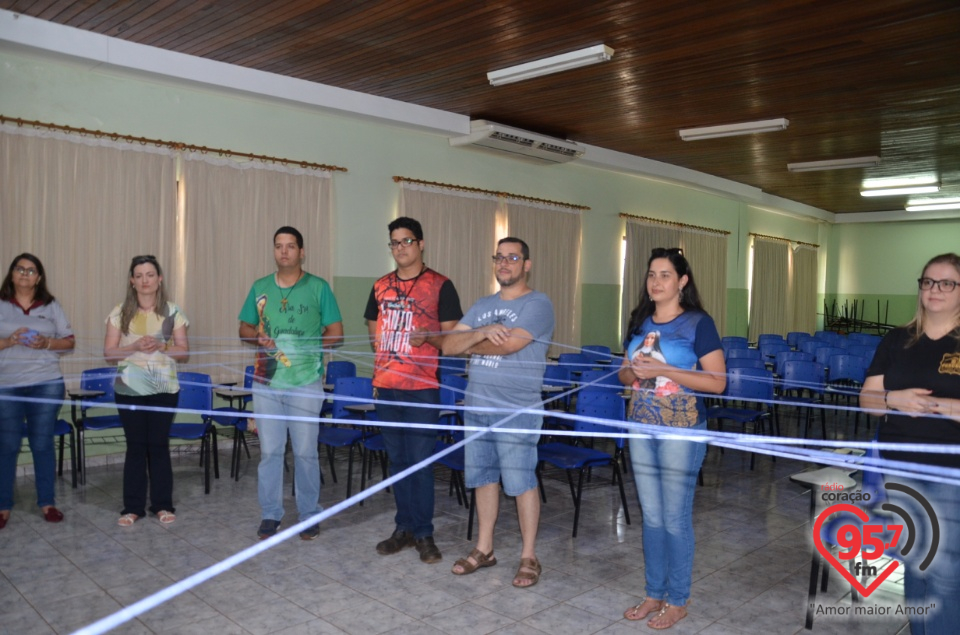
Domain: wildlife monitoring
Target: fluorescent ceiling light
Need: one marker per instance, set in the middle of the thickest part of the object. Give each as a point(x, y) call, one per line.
point(549, 65)
point(932, 204)
point(834, 164)
point(734, 129)
point(899, 181)
point(896, 191)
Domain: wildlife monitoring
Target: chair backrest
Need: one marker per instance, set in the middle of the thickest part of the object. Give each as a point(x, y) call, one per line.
point(575, 361)
point(770, 337)
point(802, 375)
point(750, 384)
point(865, 339)
point(803, 337)
point(744, 353)
point(452, 389)
point(794, 336)
point(597, 353)
point(745, 362)
point(359, 387)
point(789, 356)
point(864, 352)
point(101, 380)
point(735, 341)
point(770, 348)
point(455, 365)
point(600, 404)
point(824, 353)
point(847, 367)
point(196, 392)
point(556, 375)
point(600, 379)
point(338, 369)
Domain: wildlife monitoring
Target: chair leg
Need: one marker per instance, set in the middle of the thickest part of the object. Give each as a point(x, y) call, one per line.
point(73, 459)
point(812, 589)
point(470, 513)
point(349, 471)
point(623, 495)
point(216, 450)
point(60, 461)
point(576, 501)
point(205, 460)
point(543, 492)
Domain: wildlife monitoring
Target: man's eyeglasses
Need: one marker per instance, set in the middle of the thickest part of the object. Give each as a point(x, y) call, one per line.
point(406, 242)
point(943, 285)
point(511, 258)
point(26, 272)
point(661, 252)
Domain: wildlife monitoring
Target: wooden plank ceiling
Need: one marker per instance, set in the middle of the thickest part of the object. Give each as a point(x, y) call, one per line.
point(854, 78)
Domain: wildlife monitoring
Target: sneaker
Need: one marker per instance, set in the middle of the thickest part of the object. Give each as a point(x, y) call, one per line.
point(429, 552)
point(310, 533)
point(268, 527)
point(398, 541)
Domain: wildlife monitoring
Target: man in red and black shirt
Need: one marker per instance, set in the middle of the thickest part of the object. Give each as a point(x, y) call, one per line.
point(408, 312)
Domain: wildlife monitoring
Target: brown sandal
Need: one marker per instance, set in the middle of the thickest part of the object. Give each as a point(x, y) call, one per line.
point(636, 613)
point(532, 565)
point(482, 560)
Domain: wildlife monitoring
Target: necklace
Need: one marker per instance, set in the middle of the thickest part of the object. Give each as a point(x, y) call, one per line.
point(283, 298)
point(406, 292)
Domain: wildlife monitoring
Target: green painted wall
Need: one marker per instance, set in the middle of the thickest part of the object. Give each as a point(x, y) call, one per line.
point(601, 314)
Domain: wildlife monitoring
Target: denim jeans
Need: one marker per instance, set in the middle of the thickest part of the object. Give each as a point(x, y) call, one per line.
point(40, 419)
point(409, 446)
point(940, 583)
point(302, 405)
point(507, 456)
point(147, 460)
point(666, 475)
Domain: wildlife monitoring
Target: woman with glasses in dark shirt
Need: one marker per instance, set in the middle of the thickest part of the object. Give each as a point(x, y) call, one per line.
point(914, 384)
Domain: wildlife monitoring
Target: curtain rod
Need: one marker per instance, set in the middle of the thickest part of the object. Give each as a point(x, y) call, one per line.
point(176, 145)
point(657, 221)
point(786, 240)
point(463, 188)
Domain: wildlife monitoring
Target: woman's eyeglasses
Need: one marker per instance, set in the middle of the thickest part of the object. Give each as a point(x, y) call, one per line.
point(661, 252)
point(945, 286)
point(26, 272)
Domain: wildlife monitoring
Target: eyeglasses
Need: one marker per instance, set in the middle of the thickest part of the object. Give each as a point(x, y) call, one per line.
point(26, 272)
point(406, 242)
point(511, 258)
point(661, 252)
point(946, 286)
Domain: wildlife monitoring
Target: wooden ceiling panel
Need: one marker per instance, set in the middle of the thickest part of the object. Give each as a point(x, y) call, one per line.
point(854, 78)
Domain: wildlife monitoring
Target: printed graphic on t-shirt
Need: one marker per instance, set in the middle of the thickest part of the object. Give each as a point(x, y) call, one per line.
point(661, 401)
point(950, 364)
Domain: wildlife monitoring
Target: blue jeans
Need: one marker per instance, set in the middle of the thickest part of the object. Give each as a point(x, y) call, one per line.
point(409, 446)
point(666, 475)
point(940, 583)
point(507, 456)
point(40, 419)
point(304, 404)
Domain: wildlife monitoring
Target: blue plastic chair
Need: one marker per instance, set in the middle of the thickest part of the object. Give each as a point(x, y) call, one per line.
point(557, 375)
point(863, 351)
point(770, 338)
point(359, 390)
point(847, 374)
point(452, 365)
point(793, 337)
point(100, 380)
point(196, 393)
point(600, 379)
point(789, 356)
point(575, 362)
point(735, 341)
point(236, 418)
point(746, 362)
point(744, 353)
point(604, 405)
point(599, 354)
point(802, 382)
point(752, 389)
point(452, 388)
point(334, 371)
point(770, 348)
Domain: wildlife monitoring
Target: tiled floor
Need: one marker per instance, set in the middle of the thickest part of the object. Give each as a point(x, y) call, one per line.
point(750, 573)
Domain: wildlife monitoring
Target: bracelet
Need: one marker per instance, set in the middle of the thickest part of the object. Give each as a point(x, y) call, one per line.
point(885, 403)
point(47, 347)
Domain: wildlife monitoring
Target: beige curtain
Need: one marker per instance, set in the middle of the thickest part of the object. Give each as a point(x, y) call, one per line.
point(768, 289)
point(553, 234)
point(707, 254)
point(803, 309)
point(460, 232)
point(642, 238)
point(85, 207)
point(232, 212)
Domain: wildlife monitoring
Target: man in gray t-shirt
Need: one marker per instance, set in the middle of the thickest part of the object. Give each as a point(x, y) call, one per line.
point(507, 335)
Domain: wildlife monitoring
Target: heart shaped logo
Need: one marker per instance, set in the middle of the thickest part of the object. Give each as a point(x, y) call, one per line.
point(829, 557)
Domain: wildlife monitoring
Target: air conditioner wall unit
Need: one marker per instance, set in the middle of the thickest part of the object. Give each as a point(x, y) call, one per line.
point(525, 145)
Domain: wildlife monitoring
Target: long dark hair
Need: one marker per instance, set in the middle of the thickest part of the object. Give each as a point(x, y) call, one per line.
point(40, 292)
point(130, 305)
point(689, 297)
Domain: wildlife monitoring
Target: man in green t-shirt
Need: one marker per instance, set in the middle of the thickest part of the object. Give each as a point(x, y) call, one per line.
point(292, 317)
